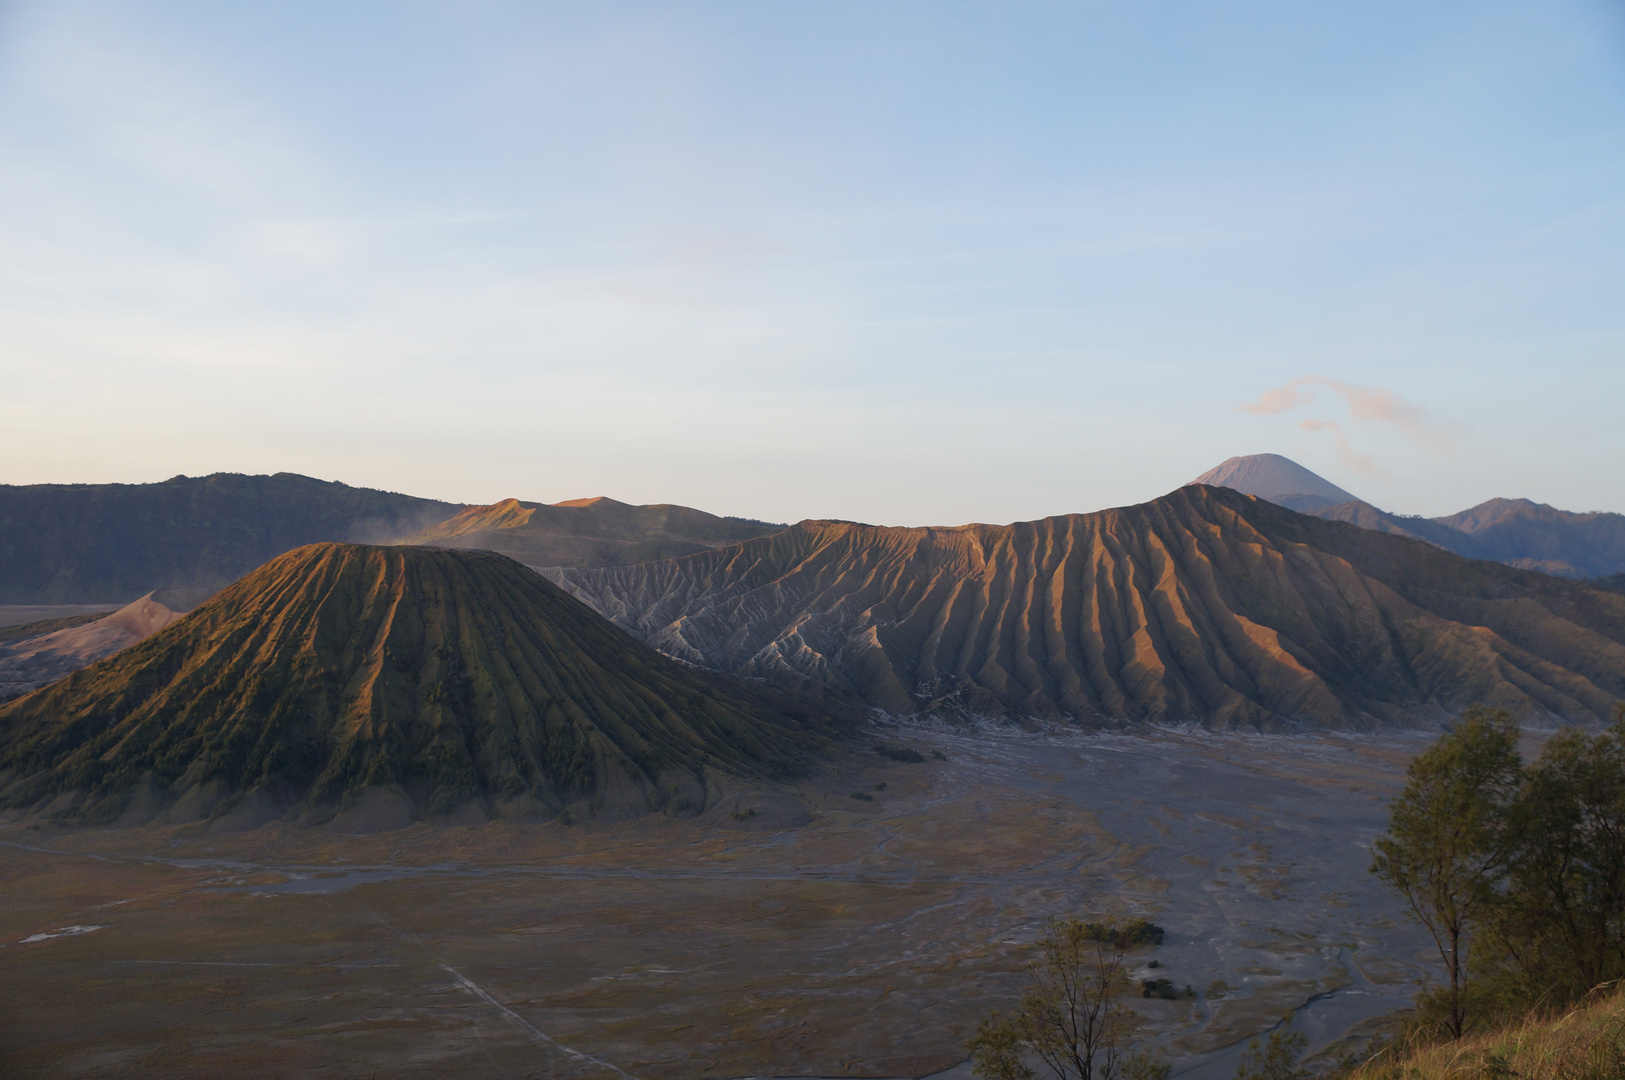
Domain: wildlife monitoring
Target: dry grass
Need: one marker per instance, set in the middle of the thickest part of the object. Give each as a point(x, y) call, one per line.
point(1587, 1043)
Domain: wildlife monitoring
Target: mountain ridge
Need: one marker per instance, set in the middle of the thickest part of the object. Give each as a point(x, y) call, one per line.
point(1206, 605)
point(597, 531)
point(112, 543)
point(1517, 532)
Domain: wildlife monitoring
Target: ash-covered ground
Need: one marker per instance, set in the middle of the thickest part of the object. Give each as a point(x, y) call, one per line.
point(786, 932)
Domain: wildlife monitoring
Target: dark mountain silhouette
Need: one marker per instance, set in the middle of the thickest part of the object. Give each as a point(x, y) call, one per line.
point(588, 532)
point(112, 543)
point(1206, 605)
point(380, 682)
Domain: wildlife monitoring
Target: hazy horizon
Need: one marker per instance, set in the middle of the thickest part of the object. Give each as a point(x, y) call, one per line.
point(908, 265)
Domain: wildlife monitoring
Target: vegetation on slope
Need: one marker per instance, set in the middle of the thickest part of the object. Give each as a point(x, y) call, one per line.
point(1586, 1042)
point(110, 543)
point(455, 677)
point(1204, 605)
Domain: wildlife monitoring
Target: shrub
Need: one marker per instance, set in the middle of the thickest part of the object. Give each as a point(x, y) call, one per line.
point(1164, 989)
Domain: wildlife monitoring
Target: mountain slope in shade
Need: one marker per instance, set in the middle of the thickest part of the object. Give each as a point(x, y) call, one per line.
point(1366, 516)
point(588, 532)
point(1528, 535)
point(32, 662)
point(1205, 605)
point(1279, 479)
point(1541, 537)
point(391, 681)
point(111, 543)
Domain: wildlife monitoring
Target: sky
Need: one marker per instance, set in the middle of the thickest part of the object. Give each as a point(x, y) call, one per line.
point(897, 262)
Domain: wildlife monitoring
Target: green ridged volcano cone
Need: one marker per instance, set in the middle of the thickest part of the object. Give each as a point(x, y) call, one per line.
point(454, 677)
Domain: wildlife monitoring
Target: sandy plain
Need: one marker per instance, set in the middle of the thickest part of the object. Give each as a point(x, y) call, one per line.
point(22, 614)
point(822, 936)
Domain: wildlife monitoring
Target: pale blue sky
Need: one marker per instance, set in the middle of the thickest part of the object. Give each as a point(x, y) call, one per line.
point(899, 262)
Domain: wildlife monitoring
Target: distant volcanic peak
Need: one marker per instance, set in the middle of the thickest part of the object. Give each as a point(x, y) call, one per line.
point(1278, 479)
point(454, 677)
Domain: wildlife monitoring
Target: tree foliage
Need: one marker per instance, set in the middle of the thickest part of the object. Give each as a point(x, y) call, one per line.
point(1071, 1017)
point(1557, 930)
point(1517, 871)
point(1276, 1058)
point(1445, 850)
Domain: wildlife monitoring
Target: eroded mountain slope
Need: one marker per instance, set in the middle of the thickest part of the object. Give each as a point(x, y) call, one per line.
point(1205, 605)
point(338, 672)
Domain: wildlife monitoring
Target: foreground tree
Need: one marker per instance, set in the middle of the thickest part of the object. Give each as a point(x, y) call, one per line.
point(1276, 1058)
point(1072, 1017)
point(1447, 848)
point(1559, 930)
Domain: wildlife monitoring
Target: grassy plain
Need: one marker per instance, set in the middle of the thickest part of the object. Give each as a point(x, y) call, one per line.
point(822, 935)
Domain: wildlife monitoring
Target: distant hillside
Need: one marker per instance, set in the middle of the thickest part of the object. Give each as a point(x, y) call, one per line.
point(1518, 532)
point(1367, 516)
point(380, 683)
point(588, 532)
point(55, 648)
point(111, 543)
point(1613, 582)
point(1541, 537)
point(1205, 605)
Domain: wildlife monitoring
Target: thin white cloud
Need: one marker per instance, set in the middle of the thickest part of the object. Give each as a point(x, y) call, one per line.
point(1360, 463)
point(1365, 403)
